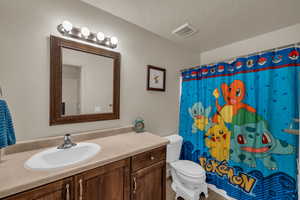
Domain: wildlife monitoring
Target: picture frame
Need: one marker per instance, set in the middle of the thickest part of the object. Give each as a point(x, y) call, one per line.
point(156, 78)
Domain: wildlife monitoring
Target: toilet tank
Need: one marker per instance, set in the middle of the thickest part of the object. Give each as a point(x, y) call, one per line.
point(174, 147)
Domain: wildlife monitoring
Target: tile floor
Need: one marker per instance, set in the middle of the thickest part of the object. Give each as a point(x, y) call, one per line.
point(171, 195)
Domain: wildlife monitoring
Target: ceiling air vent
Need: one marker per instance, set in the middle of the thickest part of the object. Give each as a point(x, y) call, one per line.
point(184, 30)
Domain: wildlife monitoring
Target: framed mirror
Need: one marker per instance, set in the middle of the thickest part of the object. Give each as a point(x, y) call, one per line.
point(84, 82)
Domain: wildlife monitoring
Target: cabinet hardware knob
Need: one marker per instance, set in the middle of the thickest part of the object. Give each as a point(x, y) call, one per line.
point(80, 189)
point(68, 192)
point(152, 158)
point(134, 185)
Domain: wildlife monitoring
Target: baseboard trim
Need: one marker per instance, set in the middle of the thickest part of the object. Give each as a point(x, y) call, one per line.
point(220, 192)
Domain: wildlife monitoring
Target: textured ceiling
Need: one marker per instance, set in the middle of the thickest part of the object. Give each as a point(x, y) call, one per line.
point(219, 22)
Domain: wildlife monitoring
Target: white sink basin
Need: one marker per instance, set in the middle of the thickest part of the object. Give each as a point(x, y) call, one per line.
point(54, 158)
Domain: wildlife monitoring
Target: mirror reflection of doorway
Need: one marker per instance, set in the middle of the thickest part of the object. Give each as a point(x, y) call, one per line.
point(71, 90)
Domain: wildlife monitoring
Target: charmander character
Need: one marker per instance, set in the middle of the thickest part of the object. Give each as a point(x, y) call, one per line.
point(234, 95)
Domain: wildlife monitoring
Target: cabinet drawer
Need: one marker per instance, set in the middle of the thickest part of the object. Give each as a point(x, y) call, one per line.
point(148, 158)
point(59, 190)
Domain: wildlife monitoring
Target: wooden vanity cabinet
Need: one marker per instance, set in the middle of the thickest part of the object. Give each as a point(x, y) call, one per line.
point(110, 182)
point(149, 183)
point(141, 177)
point(148, 178)
point(59, 190)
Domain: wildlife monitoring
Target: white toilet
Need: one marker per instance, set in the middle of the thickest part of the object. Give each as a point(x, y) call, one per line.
point(188, 177)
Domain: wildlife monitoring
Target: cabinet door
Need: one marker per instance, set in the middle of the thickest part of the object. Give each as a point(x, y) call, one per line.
point(110, 182)
point(60, 190)
point(149, 183)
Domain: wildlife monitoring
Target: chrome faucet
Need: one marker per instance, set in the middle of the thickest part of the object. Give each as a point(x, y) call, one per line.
point(67, 142)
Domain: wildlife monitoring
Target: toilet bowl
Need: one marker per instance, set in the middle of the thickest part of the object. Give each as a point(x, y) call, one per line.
point(188, 178)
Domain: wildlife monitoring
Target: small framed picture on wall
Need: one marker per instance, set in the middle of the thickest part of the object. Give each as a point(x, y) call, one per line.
point(156, 79)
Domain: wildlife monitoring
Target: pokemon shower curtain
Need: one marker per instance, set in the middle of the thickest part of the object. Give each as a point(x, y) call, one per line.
point(232, 117)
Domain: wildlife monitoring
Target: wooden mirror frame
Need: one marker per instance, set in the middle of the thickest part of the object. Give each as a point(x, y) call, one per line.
point(56, 45)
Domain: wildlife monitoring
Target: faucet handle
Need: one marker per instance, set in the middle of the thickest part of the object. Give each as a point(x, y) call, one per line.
point(67, 142)
point(67, 136)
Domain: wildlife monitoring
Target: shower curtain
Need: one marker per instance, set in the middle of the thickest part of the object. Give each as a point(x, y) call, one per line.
point(232, 117)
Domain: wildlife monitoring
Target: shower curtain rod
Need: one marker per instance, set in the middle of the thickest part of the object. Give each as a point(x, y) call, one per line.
point(247, 55)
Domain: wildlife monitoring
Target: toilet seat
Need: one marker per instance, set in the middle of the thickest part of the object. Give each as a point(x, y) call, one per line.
point(188, 168)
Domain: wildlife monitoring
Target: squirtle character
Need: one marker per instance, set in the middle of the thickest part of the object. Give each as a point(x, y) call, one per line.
point(251, 140)
point(217, 140)
point(200, 116)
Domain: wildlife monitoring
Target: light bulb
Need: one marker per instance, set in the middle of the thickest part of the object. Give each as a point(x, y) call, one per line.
point(100, 36)
point(114, 40)
point(67, 26)
point(85, 31)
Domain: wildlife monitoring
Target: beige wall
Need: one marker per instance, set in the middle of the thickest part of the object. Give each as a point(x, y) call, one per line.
point(24, 72)
point(270, 40)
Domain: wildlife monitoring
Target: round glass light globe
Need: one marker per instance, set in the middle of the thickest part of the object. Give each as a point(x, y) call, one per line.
point(100, 36)
point(67, 25)
point(114, 40)
point(85, 31)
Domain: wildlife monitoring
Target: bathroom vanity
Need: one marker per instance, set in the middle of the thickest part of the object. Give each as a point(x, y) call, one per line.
point(129, 166)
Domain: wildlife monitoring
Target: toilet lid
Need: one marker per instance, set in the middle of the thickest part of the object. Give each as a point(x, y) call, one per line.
point(188, 168)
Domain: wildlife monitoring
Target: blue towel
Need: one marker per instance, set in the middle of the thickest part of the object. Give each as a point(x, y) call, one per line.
point(7, 133)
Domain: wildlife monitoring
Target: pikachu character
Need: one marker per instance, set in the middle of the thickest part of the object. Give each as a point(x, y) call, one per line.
point(217, 140)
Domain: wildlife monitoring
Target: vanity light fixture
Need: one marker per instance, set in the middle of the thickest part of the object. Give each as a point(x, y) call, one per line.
point(85, 32)
point(114, 40)
point(67, 26)
point(67, 29)
point(100, 36)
